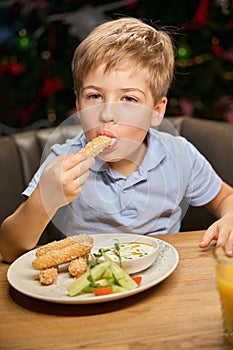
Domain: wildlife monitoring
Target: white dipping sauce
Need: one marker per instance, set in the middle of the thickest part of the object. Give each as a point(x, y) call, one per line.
point(130, 251)
point(136, 254)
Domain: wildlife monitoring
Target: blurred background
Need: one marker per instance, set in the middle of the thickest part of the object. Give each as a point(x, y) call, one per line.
point(38, 39)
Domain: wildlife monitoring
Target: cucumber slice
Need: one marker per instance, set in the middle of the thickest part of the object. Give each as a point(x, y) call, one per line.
point(82, 282)
point(122, 277)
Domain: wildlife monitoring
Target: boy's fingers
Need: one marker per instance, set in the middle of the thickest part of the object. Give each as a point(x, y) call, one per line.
point(226, 239)
point(223, 235)
point(82, 167)
point(229, 245)
point(74, 159)
point(77, 161)
point(208, 236)
point(81, 180)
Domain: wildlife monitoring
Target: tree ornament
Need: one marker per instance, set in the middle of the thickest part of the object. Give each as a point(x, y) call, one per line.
point(201, 15)
point(216, 47)
point(15, 68)
point(46, 55)
point(24, 43)
point(225, 6)
point(51, 86)
point(183, 52)
point(51, 115)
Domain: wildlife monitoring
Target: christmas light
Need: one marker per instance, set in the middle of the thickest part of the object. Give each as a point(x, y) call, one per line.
point(194, 60)
point(24, 43)
point(183, 52)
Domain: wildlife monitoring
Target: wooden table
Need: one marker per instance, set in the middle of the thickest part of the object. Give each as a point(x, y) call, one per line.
point(182, 312)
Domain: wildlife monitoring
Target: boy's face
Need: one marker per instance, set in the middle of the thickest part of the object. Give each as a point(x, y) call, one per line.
point(118, 104)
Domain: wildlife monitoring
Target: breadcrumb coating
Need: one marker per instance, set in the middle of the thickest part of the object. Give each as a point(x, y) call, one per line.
point(60, 256)
point(97, 145)
point(63, 243)
point(73, 250)
point(77, 267)
point(48, 276)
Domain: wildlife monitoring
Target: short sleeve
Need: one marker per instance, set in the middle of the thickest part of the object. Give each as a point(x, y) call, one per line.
point(204, 183)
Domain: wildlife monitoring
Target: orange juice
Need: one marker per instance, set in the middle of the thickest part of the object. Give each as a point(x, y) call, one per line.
point(225, 286)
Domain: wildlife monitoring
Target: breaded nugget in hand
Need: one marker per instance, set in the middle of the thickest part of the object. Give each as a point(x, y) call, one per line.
point(63, 243)
point(78, 267)
point(48, 276)
point(97, 145)
point(61, 256)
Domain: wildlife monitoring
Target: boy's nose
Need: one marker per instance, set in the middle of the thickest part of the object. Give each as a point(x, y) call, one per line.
point(108, 113)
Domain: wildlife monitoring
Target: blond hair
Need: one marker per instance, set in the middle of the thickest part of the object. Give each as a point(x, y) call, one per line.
point(127, 40)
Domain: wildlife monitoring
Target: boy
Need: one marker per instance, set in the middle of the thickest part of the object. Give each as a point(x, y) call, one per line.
point(122, 72)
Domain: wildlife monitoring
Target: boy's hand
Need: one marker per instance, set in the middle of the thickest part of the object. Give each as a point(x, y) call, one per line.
point(63, 179)
point(222, 232)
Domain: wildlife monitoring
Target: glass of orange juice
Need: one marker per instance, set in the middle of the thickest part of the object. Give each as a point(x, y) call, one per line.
point(224, 277)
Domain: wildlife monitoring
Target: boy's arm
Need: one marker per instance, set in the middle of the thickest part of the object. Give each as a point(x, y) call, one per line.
point(222, 230)
point(21, 231)
point(60, 183)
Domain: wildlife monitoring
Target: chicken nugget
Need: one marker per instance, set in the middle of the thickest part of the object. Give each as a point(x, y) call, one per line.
point(48, 276)
point(77, 267)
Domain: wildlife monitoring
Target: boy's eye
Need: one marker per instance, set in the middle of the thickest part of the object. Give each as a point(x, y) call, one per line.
point(129, 99)
point(94, 97)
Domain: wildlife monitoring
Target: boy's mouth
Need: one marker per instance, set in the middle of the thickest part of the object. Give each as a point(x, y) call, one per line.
point(113, 137)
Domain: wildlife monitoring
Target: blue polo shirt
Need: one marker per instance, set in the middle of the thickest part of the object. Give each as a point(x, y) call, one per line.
point(148, 201)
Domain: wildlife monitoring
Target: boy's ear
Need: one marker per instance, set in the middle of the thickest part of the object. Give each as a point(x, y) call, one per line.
point(158, 112)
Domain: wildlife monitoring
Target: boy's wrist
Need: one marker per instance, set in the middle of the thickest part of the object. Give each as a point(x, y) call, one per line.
point(45, 206)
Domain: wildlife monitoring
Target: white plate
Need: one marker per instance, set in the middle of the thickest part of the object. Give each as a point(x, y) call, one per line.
point(24, 278)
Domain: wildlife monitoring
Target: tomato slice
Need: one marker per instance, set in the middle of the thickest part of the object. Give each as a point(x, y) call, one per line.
point(103, 290)
point(137, 279)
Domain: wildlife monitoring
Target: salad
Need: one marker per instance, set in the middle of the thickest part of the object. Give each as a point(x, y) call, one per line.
point(105, 276)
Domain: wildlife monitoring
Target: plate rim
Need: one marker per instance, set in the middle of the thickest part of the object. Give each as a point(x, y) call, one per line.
point(93, 299)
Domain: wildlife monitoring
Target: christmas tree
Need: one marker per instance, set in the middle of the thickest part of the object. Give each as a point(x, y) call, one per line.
point(38, 39)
